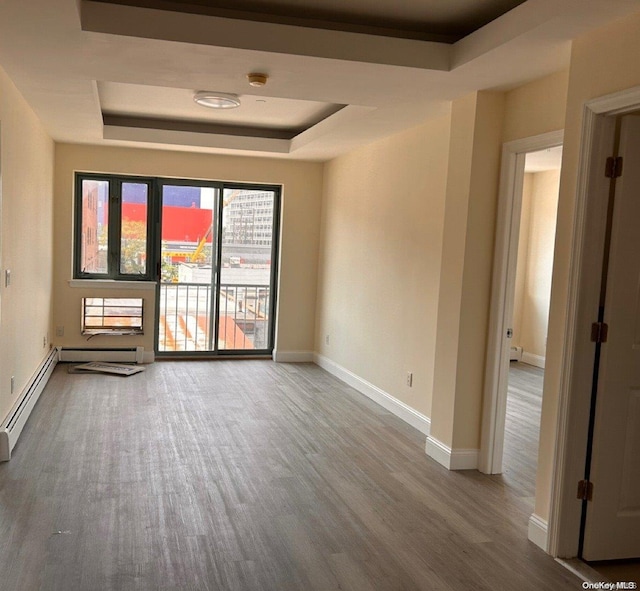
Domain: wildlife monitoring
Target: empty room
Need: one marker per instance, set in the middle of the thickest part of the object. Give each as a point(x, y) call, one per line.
point(286, 224)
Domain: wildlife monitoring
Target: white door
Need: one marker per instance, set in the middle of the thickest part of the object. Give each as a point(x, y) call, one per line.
point(612, 528)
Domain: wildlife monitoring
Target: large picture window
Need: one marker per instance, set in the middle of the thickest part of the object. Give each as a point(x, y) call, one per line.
point(112, 227)
point(211, 247)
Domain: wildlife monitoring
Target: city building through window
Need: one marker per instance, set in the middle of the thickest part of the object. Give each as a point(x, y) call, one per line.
point(211, 247)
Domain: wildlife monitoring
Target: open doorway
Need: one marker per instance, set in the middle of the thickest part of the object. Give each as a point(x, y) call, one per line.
point(530, 315)
point(512, 185)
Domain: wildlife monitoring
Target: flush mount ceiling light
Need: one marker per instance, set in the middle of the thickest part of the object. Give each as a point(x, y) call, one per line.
point(216, 100)
point(257, 79)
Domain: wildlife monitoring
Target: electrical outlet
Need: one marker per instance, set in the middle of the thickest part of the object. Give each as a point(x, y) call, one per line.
point(409, 379)
point(44, 342)
point(59, 331)
point(326, 340)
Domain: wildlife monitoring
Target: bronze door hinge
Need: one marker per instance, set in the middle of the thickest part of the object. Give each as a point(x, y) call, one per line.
point(613, 168)
point(585, 490)
point(599, 332)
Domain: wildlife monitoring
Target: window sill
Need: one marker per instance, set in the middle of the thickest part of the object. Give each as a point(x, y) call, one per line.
point(113, 284)
point(112, 333)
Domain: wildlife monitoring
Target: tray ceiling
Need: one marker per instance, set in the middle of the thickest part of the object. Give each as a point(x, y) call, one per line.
point(342, 73)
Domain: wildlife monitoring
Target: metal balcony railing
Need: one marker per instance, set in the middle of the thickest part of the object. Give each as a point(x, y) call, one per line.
point(187, 321)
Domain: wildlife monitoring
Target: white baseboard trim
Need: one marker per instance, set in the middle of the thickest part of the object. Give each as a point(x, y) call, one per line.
point(452, 459)
point(393, 405)
point(292, 356)
point(539, 532)
point(132, 355)
point(531, 359)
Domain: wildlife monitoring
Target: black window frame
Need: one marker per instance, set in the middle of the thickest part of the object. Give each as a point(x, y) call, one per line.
point(114, 242)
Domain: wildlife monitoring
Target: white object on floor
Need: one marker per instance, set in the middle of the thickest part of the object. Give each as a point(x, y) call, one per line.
point(115, 368)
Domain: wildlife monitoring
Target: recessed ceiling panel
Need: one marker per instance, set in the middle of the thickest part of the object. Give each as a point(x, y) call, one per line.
point(442, 20)
point(55, 50)
point(177, 104)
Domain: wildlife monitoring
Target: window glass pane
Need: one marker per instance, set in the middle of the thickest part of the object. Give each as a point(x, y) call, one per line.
point(133, 229)
point(187, 233)
point(245, 276)
point(188, 238)
point(95, 226)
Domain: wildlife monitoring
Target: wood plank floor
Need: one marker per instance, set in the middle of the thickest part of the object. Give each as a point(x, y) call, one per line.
point(249, 476)
point(618, 570)
point(522, 429)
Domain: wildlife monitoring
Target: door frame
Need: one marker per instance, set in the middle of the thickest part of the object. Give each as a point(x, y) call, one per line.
point(277, 191)
point(160, 183)
point(218, 213)
point(598, 134)
point(3, 271)
point(502, 290)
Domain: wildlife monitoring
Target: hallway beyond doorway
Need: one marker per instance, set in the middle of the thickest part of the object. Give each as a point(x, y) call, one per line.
point(522, 428)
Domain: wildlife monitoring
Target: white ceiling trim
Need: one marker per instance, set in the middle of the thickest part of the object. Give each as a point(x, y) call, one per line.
point(252, 143)
point(202, 140)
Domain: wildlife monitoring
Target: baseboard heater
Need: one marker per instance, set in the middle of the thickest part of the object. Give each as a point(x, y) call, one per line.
point(122, 355)
point(12, 427)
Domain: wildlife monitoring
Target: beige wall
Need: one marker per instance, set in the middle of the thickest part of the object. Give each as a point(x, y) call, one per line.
point(535, 261)
point(478, 264)
point(301, 203)
point(26, 213)
point(380, 260)
point(452, 268)
point(535, 108)
point(602, 62)
point(367, 251)
point(465, 285)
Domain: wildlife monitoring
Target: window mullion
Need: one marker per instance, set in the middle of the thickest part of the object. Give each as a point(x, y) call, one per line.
point(153, 230)
point(115, 224)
